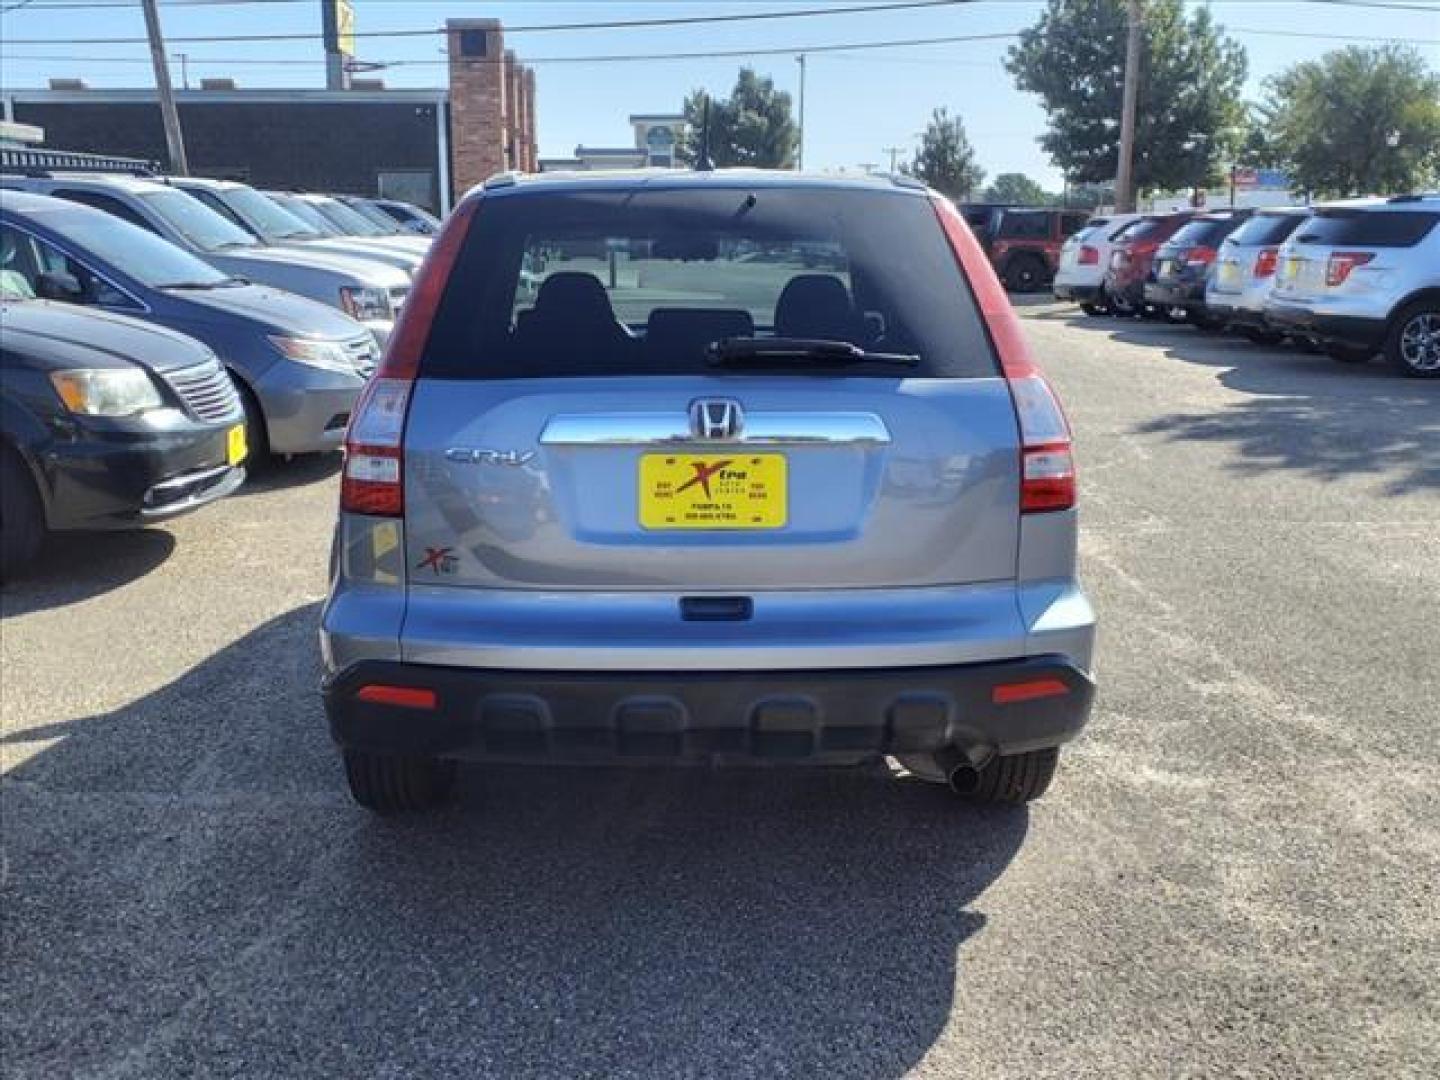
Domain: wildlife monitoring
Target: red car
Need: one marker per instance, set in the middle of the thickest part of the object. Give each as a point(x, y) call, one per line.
point(1133, 255)
point(1025, 245)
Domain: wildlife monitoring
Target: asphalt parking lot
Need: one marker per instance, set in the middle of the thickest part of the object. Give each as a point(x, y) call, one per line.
point(1234, 874)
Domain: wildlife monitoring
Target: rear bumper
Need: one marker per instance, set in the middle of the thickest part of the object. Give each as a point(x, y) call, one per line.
point(1186, 294)
point(1345, 329)
point(826, 717)
point(1081, 294)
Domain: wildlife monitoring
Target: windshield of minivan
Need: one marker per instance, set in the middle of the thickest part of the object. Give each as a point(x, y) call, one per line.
point(345, 219)
point(195, 221)
point(265, 217)
point(377, 217)
point(133, 251)
point(624, 282)
point(305, 212)
point(1265, 230)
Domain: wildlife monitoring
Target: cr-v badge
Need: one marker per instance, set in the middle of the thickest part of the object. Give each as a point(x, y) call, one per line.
point(467, 455)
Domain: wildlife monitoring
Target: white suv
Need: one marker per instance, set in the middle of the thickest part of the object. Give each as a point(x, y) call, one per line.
point(1365, 277)
point(1083, 260)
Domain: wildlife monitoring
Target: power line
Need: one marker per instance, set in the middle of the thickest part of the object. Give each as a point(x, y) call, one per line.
point(606, 58)
point(619, 24)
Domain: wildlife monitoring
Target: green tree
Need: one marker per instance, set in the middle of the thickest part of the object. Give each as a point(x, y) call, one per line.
point(945, 159)
point(1357, 121)
point(1190, 114)
point(1018, 189)
point(753, 127)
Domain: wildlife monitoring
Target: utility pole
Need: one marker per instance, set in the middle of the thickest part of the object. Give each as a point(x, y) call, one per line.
point(800, 149)
point(1125, 177)
point(174, 142)
point(894, 152)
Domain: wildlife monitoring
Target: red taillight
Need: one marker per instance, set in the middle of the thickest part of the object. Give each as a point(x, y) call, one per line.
point(1047, 467)
point(406, 697)
point(1337, 270)
point(1266, 261)
point(1200, 256)
point(1031, 690)
point(374, 478)
point(1089, 256)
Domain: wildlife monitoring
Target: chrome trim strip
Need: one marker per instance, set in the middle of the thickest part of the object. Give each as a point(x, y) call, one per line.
point(761, 429)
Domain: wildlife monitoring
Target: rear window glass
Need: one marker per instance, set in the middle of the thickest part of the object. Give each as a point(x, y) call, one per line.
point(1267, 229)
point(1203, 232)
point(640, 282)
point(1139, 229)
point(1019, 225)
point(1372, 228)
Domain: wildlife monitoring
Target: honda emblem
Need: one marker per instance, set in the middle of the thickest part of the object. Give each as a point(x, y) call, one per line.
point(716, 418)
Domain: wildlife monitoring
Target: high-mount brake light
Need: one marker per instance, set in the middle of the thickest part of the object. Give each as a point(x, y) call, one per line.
point(1047, 464)
point(374, 478)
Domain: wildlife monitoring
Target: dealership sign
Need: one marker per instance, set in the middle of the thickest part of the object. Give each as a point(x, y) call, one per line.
point(1266, 179)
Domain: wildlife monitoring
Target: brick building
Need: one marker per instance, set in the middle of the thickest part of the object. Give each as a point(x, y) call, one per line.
point(426, 146)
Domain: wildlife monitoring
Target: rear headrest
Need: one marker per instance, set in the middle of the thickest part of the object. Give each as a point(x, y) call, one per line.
point(573, 295)
point(685, 332)
point(816, 306)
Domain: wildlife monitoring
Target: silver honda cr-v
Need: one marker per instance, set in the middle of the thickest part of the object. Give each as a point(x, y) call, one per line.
point(762, 470)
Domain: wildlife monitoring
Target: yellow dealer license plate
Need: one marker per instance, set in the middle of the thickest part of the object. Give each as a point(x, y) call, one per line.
point(235, 448)
point(712, 491)
point(1229, 273)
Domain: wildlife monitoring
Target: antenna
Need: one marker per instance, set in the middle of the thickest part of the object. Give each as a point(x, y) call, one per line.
point(704, 163)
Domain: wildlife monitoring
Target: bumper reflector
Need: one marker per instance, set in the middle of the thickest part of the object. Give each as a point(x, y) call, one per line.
point(406, 697)
point(1011, 693)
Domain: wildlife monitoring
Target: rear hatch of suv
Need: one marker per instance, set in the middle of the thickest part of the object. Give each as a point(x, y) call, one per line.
point(707, 392)
point(1348, 251)
point(559, 441)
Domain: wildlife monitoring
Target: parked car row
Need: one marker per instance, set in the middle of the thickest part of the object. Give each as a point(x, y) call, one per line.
point(158, 336)
point(1352, 279)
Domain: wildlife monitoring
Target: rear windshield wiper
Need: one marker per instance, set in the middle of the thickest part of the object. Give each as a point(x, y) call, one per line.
point(780, 351)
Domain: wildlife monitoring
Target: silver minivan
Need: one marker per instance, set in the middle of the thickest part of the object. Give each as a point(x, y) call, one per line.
point(368, 292)
point(762, 471)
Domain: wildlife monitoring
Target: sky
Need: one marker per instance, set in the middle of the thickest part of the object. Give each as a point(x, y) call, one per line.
point(858, 104)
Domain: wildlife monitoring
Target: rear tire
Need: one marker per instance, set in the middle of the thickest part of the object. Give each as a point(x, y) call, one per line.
point(1262, 337)
point(1019, 778)
point(398, 783)
point(1024, 274)
point(1413, 344)
point(22, 522)
point(1123, 307)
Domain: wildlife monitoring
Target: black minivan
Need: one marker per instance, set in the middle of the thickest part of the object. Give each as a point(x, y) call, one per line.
point(106, 422)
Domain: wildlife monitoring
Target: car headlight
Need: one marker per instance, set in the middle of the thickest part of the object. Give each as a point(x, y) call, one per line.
point(106, 391)
point(366, 303)
point(327, 355)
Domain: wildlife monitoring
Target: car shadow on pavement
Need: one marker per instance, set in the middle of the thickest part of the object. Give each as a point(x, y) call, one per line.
point(1303, 411)
point(279, 474)
point(75, 566)
point(189, 889)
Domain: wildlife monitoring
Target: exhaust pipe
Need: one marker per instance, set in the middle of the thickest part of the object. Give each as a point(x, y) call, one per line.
point(962, 765)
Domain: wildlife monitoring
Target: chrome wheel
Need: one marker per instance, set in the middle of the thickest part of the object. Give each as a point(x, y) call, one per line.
point(1420, 342)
